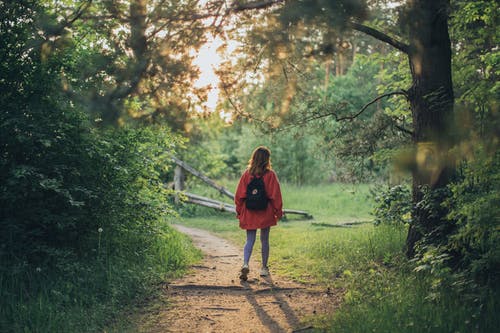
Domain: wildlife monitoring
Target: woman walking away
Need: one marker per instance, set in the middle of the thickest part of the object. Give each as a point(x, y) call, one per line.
point(258, 205)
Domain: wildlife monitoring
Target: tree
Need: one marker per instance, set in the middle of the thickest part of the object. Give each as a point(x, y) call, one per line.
point(424, 26)
point(132, 59)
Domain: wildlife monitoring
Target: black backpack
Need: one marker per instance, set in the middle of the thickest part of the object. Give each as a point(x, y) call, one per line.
point(256, 194)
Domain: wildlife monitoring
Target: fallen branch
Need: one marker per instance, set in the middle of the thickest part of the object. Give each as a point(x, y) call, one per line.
point(200, 175)
point(222, 207)
point(216, 204)
point(341, 225)
point(298, 212)
point(225, 207)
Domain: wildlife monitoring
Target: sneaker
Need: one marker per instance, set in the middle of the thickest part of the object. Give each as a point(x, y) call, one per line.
point(264, 271)
point(244, 272)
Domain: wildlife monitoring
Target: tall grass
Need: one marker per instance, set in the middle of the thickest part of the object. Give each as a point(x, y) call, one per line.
point(403, 302)
point(90, 296)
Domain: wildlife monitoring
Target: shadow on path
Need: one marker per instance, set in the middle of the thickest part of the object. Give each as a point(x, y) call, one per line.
point(276, 292)
point(211, 298)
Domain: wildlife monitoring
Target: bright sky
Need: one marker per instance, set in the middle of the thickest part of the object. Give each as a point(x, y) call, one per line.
point(208, 60)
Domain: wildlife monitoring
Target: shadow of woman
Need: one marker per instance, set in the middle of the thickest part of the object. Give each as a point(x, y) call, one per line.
point(280, 298)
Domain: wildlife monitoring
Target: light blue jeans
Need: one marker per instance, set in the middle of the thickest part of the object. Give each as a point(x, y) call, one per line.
point(264, 239)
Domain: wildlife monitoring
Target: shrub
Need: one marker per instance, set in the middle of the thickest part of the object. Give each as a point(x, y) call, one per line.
point(393, 206)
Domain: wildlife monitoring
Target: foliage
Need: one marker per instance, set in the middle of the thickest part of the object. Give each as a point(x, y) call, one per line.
point(293, 156)
point(476, 38)
point(130, 60)
point(204, 149)
point(358, 142)
point(475, 206)
point(81, 209)
point(393, 206)
point(308, 137)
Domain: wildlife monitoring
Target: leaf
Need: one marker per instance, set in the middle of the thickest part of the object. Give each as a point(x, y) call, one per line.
point(421, 268)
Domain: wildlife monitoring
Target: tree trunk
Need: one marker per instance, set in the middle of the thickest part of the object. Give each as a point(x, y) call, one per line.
point(431, 99)
point(341, 63)
point(327, 77)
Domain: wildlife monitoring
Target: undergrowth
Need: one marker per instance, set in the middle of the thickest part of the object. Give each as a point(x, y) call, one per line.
point(90, 295)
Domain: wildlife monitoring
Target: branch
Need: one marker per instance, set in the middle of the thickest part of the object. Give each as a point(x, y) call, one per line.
point(240, 112)
point(79, 12)
point(404, 130)
point(69, 21)
point(380, 36)
point(376, 99)
point(341, 106)
point(238, 7)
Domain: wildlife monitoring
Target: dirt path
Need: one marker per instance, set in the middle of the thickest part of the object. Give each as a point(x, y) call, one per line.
point(213, 299)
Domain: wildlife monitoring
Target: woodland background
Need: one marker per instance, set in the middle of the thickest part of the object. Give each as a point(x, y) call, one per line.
point(97, 95)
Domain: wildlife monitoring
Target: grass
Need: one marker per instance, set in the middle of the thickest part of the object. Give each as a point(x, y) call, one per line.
point(329, 203)
point(91, 296)
point(381, 291)
point(310, 249)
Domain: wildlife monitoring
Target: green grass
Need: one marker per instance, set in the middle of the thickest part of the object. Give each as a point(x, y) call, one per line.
point(91, 296)
point(381, 291)
point(314, 249)
point(329, 203)
point(306, 251)
point(403, 302)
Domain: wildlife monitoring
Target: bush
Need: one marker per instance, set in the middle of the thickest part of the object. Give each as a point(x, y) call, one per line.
point(81, 209)
point(475, 207)
point(393, 206)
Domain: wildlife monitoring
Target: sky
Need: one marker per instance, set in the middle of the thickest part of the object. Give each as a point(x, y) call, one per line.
point(207, 60)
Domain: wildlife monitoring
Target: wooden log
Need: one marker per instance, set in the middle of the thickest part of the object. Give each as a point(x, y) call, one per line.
point(222, 206)
point(298, 212)
point(201, 198)
point(208, 202)
point(213, 203)
point(200, 175)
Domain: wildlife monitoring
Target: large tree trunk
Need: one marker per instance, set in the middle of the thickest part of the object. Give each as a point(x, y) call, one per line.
point(431, 98)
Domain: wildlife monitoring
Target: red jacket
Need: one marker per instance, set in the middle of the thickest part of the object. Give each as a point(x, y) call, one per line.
point(258, 219)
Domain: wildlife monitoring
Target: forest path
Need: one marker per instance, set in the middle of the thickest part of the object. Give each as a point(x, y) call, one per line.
point(211, 298)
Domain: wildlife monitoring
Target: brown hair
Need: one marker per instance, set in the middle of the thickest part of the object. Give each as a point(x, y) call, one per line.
point(260, 161)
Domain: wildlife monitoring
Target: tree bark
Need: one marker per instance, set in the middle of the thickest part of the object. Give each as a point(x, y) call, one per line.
point(431, 100)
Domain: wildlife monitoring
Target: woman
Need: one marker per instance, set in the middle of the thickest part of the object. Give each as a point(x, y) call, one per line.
point(263, 218)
